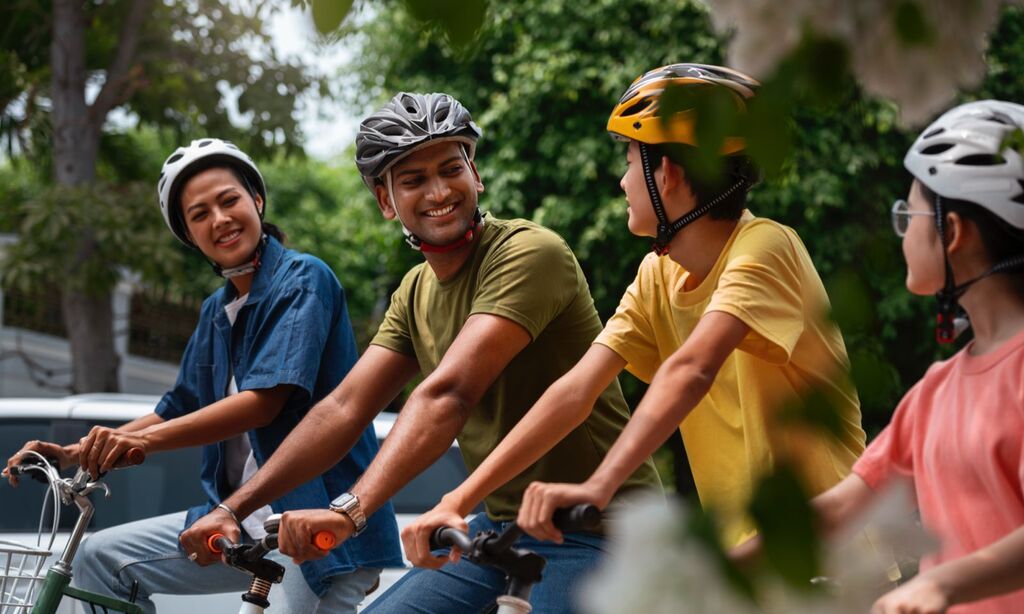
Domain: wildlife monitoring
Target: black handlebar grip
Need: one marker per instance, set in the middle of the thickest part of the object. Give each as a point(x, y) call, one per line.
point(582, 517)
point(442, 537)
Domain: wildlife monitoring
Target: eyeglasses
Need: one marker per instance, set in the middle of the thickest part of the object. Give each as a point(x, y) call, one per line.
point(901, 215)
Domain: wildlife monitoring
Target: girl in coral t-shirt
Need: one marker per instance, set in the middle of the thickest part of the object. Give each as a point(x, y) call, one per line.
point(958, 435)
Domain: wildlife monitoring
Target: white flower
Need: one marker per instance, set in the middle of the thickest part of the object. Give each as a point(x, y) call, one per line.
point(921, 77)
point(655, 567)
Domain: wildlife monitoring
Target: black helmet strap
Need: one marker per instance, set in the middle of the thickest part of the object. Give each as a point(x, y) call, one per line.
point(949, 296)
point(667, 230)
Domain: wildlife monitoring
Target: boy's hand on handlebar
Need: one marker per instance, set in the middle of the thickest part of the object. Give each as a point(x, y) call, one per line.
point(103, 448)
point(416, 536)
point(66, 455)
point(540, 501)
point(193, 540)
point(919, 596)
point(296, 536)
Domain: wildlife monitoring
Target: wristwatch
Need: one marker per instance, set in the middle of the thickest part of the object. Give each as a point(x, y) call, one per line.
point(348, 504)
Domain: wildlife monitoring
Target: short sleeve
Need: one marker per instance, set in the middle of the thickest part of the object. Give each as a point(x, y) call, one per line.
point(761, 286)
point(393, 332)
point(288, 346)
point(891, 452)
point(530, 278)
point(629, 333)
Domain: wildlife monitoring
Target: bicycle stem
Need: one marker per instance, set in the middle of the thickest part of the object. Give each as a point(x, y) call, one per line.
point(86, 511)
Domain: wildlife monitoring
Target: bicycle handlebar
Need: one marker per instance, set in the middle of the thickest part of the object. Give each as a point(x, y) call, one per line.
point(581, 517)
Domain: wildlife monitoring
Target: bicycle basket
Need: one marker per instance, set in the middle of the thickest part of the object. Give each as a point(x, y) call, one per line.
point(22, 570)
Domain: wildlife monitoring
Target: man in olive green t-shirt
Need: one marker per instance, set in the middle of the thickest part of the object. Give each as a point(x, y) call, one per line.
point(497, 313)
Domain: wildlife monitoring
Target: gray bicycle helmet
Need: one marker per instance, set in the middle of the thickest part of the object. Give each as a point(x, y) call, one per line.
point(409, 122)
point(962, 155)
point(186, 162)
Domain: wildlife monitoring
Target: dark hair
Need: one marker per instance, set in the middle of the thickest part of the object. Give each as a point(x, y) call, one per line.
point(1000, 239)
point(737, 167)
point(177, 216)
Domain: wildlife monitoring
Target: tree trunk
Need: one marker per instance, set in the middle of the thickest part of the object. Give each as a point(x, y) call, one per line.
point(88, 316)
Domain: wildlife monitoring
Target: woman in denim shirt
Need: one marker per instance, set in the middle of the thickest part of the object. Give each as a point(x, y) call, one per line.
point(269, 344)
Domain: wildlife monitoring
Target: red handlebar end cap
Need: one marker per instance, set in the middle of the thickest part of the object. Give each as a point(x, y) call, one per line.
point(211, 543)
point(324, 540)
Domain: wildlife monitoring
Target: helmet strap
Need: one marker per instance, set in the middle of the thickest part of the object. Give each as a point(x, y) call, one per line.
point(949, 320)
point(243, 269)
point(667, 231)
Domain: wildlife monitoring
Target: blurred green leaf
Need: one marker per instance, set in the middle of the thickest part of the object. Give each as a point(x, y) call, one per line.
point(460, 19)
point(1014, 141)
point(780, 507)
point(328, 14)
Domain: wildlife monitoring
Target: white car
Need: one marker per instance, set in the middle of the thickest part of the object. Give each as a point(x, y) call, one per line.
point(166, 482)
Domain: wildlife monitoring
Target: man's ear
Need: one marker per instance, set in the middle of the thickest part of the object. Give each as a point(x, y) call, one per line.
point(384, 202)
point(476, 176)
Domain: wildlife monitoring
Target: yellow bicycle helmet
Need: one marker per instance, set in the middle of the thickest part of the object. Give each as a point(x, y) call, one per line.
point(637, 116)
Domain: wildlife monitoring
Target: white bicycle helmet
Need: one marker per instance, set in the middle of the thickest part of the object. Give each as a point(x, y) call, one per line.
point(186, 162)
point(962, 156)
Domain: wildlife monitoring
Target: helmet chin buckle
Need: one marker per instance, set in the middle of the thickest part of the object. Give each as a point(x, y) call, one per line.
point(243, 269)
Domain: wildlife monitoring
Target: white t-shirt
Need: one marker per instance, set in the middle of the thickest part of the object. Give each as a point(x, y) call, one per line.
point(241, 465)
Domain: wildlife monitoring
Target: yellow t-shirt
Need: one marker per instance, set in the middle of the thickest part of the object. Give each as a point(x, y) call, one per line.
point(764, 277)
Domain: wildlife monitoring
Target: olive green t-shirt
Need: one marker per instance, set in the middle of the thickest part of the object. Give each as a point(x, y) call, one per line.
point(526, 273)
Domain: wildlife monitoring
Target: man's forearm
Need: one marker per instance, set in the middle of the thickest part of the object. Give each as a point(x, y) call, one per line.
point(424, 431)
point(320, 440)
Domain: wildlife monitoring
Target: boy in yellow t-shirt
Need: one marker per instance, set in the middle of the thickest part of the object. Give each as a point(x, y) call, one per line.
point(727, 320)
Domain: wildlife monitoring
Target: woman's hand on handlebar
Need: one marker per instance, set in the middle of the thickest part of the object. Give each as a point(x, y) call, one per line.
point(103, 448)
point(297, 535)
point(194, 539)
point(65, 455)
point(540, 501)
point(416, 536)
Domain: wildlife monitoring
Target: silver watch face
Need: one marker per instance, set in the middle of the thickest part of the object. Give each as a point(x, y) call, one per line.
point(343, 500)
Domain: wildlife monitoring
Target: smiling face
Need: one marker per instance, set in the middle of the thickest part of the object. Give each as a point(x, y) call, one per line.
point(435, 193)
point(221, 217)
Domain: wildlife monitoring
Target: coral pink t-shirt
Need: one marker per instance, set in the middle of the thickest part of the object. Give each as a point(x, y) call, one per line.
point(959, 435)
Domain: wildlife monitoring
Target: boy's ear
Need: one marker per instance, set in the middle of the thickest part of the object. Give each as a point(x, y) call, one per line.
point(672, 175)
point(384, 202)
point(476, 176)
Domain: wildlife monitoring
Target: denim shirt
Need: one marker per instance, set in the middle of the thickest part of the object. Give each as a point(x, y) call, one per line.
point(293, 329)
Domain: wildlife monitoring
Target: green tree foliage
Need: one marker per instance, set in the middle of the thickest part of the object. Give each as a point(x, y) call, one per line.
point(182, 69)
point(542, 77)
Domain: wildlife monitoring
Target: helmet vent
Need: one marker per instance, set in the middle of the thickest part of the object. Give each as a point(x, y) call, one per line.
point(934, 150)
point(1020, 197)
point(204, 142)
point(174, 158)
point(981, 160)
point(932, 133)
point(639, 106)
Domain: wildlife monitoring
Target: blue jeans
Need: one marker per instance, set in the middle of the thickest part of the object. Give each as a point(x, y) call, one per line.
point(468, 588)
point(146, 551)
